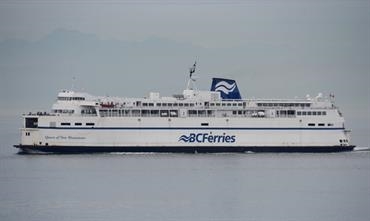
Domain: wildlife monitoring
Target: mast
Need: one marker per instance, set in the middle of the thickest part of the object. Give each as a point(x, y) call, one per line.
point(191, 82)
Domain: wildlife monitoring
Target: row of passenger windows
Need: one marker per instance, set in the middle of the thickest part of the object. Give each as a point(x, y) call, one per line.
point(226, 104)
point(170, 104)
point(60, 111)
point(320, 124)
point(223, 104)
point(309, 113)
point(153, 113)
point(76, 124)
point(177, 113)
point(71, 98)
point(285, 113)
point(283, 104)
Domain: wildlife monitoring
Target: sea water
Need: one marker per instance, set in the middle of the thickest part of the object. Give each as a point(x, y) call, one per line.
point(147, 186)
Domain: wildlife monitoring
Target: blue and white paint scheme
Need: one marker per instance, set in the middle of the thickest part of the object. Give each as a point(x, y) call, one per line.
point(227, 88)
point(218, 120)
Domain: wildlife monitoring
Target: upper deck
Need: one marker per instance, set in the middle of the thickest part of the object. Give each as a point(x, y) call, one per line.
point(191, 103)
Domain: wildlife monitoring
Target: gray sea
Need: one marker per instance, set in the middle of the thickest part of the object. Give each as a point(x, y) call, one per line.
point(116, 186)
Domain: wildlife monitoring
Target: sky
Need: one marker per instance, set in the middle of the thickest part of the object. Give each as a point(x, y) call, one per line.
point(274, 49)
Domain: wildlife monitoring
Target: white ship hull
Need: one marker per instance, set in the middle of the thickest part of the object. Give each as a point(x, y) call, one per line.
point(185, 135)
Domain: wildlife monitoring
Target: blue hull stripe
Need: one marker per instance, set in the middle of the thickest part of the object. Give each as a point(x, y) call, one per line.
point(192, 128)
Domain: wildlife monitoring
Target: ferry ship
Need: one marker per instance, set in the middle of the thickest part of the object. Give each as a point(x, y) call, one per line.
point(218, 120)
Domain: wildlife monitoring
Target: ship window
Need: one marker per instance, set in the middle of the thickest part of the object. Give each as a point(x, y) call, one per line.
point(114, 113)
point(314, 113)
point(309, 113)
point(291, 112)
point(234, 112)
point(319, 113)
point(304, 112)
point(282, 112)
point(223, 104)
point(217, 104)
point(174, 113)
point(135, 113)
point(181, 104)
point(175, 104)
point(299, 113)
point(154, 112)
point(192, 112)
point(321, 124)
point(164, 104)
point(240, 112)
point(201, 113)
point(204, 124)
point(240, 104)
point(191, 104)
point(164, 113)
point(144, 113)
point(259, 104)
point(159, 104)
point(212, 104)
point(311, 124)
point(103, 113)
point(78, 124)
point(65, 124)
point(330, 124)
point(31, 122)
point(228, 104)
point(324, 113)
point(90, 124)
point(186, 105)
point(151, 104)
point(234, 104)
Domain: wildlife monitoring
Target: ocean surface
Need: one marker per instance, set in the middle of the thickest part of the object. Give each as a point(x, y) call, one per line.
point(116, 186)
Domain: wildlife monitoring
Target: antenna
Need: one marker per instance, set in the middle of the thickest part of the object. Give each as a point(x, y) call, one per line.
point(192, 79)
point(73, 82)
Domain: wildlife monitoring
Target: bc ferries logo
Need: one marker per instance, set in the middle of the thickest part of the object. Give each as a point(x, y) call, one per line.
point(207, 138)
point(225, 87)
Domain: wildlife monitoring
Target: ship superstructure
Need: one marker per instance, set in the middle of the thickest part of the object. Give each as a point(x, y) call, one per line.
point(218, 120)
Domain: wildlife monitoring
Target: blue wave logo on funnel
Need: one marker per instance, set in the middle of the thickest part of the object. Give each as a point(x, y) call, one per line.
point(227, 87)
